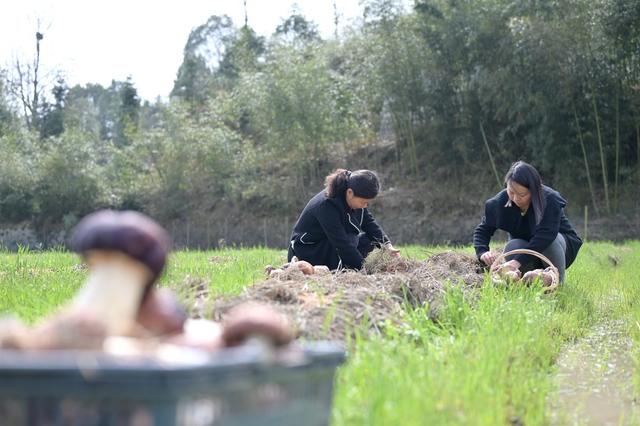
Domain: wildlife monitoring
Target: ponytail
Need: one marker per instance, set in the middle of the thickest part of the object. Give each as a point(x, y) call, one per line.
point(364, 183)
point(336, 183)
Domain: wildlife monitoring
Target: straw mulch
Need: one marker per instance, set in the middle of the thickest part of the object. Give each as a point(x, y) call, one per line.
point(336, 305)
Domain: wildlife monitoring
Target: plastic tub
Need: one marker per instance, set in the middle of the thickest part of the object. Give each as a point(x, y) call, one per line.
point(242, 386)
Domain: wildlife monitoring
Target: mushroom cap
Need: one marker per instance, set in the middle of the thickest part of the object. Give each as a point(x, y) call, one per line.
point(161, 313)
point(249, 319)
point(321, 270)
point(305, 267)
point(511, 275)
point(530, 276)
point(131, 233)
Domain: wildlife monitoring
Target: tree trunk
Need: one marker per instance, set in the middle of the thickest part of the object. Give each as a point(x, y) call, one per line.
point(586, 163)
point(493, 164)
point(617, 173)
point(603, 161)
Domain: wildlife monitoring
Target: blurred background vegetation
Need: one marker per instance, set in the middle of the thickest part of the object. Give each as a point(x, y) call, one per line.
point(439, 99)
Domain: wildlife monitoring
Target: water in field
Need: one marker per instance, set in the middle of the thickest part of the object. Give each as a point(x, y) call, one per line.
point(595, 380)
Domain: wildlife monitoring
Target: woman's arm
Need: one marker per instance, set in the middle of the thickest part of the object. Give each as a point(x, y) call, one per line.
point(372, 229)
point(376, 234)
point(330, 220)
point(485, 229)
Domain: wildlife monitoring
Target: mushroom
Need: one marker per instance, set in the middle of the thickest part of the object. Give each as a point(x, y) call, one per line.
point(199, 334)
point(268, 269)
point(511, 275)
point(161, 313)
point(321, 270)
point(546, 276)
point(125, 253)
point(530, 276)
point(243, 323)
point(254, 321)
point(276, 273)
point(303, 265)
point(66, 330)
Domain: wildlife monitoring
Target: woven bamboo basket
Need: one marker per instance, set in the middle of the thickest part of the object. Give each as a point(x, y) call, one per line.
point(555, 274)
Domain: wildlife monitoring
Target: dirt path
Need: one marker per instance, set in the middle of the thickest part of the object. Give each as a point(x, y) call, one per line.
point(595, 380)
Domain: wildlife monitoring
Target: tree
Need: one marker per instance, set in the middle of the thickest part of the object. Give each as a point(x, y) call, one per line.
point(26, 87)
point(297, 28)
point(84, 109)
point(66, 179)
point(128, 112)
point(244, 54)
point(203, 52)
point(53, 115)
point(16, 178)
point(7, 116)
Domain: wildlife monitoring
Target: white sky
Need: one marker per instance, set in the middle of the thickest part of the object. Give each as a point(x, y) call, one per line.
point(97, 41)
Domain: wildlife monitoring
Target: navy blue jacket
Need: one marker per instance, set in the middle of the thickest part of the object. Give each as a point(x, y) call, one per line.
point(497, 215)
point(327, 230)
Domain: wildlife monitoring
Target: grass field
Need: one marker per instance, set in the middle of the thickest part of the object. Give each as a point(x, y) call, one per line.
point(488, 361)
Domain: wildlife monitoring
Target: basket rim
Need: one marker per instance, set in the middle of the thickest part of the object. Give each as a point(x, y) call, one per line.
point(556, 275)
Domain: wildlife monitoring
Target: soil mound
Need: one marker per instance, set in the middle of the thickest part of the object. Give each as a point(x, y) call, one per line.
point(336, 305)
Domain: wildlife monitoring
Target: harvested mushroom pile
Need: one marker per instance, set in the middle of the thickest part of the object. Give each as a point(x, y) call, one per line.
point(547, 276)
point(120, 311)
point(334, 305)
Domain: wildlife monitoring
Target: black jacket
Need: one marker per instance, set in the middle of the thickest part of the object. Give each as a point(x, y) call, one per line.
point(497, 215)
point(327, 230)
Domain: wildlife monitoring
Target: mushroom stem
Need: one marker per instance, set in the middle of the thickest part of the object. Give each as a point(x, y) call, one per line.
point(113, 291)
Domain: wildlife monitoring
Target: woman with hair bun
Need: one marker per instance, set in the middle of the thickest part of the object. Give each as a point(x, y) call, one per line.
point(533, 216)
point(335, 228)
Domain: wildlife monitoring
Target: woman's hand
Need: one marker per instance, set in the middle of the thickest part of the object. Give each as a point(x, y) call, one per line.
point(488, 257)
point(512, 265)
point(392, 250)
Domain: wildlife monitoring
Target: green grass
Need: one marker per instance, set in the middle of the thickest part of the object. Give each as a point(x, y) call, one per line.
point(227, 271)
point(488, 361)
point(33, 284)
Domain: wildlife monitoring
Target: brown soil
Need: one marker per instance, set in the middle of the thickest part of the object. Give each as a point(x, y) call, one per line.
point(336, 305)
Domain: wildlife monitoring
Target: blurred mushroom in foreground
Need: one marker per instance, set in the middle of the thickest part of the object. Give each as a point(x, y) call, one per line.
point(126, 253)
point(120, 311)
point(255, 321)
point(161, 313)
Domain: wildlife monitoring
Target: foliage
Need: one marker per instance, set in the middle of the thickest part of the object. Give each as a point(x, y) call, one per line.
point(435, 94)
point(16, 181)
point(65, 180)
point(490, 359)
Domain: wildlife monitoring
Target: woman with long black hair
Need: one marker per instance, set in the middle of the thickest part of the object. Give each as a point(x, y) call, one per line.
point(533, 216)
point(335, 228)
